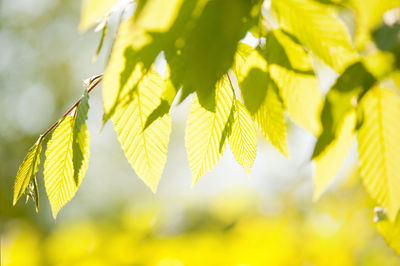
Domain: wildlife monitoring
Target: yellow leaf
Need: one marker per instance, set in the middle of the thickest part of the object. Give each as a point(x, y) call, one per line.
point(378, 148)
point(131, 49)
point(291, 69)
point(205, 129)
point(59, 168)
point(93, 11)
point(317, 27)
point(329, 161)
point(243, 139)
point(261, 96)
point(145, 147)
point(27, 171)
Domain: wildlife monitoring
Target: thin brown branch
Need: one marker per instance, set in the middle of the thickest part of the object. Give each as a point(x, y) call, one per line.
point(95, 81)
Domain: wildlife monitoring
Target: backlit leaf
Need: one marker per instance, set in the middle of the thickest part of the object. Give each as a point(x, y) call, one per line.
point(261, 96)
point(243, 139)
point(144, 147)
point(81, 137)
point(317, 27)
point(329, 161)
point(342, 97)
point(27, 170)
point(204, 132)
point(291, 69)
point(378, 148)
point(59, 167)
point(135, 47)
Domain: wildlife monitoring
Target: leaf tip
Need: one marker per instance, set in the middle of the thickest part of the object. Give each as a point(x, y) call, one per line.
point(154, 188)
point(194, 181)
point(15, 199)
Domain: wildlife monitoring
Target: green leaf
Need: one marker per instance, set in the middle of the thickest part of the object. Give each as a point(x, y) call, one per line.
point(291, 69)
point(205, 129)
point(192, 35)
point(261, 96)
point(59, 167)
point(243, 139)
point(342, 97)
point(378, 148)
point(26, 174)
point(329, 161)
point(317, 27)
point(136, 46)
point(80, 144)
point(270, 118)
point(210, 40)
point(164, 107)
point(93, 11)
point(144, 147)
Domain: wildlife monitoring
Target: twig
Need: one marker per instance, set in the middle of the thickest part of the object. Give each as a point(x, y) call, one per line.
point(98, 79)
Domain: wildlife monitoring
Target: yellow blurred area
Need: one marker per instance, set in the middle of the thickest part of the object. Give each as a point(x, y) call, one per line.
point(234, 229)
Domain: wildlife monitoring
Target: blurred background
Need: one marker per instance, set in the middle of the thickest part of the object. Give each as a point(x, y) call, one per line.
point(227, 218)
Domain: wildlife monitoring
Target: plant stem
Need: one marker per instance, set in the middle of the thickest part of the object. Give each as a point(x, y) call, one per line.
point(230, 81)
point(97, 80)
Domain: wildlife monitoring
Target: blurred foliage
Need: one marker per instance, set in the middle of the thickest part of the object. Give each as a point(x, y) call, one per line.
point(41, 73)
point(233, 229)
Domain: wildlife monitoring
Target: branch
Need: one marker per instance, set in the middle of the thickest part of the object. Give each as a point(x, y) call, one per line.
point(97, 79)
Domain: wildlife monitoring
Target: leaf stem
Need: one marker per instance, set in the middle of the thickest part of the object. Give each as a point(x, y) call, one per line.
point(95, 81)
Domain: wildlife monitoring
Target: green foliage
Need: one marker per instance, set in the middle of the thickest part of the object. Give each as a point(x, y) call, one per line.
point(26, 176)
point(342, 97)
point(80, 139)
point(243, 139)
point(291, 69)
point(378, 146)
point(205, 143)
point(261, 96)
point(328, 162)
point(317, 27)
point(145, 147)
point(201, 42)
point(59, 165)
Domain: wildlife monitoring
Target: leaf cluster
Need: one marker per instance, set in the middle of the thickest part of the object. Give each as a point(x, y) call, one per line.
point(240, 88)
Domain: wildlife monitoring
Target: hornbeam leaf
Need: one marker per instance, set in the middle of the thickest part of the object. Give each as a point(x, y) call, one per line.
point(291, 69)
point(261, 96)
point(378, 148)
point(243, 138)
point(205, 129)
point(349, 88)
point(271, 120)
point(145, 146)
point(26, 174)
point(59, 167)
point(329, 161)
point(140, 39)
point(81, 136)
point(318, 29)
